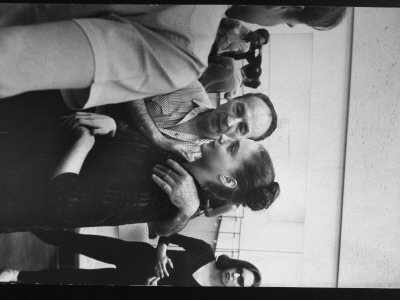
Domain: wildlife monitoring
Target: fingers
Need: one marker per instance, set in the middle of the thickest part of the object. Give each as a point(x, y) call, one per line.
point(164, 268)
point(170, 263)
point(162, 184)
point(159, 270)
point(153, 280)
point(169, 176)
point(177, 167)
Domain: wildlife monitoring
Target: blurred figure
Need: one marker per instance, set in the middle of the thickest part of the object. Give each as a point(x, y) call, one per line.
point(224, 76)
point(234, 36)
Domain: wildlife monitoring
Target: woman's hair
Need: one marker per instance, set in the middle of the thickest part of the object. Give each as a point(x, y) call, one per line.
point(224, 262)
point(255, 188)
point(321, 17)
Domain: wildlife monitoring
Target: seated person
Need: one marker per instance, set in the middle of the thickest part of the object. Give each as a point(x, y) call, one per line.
point(138, 263)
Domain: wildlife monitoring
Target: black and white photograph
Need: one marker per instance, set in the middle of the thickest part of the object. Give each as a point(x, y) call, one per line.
point(199, 145)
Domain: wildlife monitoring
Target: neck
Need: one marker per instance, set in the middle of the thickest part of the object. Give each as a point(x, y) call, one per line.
point(196, 169)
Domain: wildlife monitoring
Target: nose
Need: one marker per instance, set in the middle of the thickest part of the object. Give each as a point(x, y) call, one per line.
point(230, 121)
point(223, 139)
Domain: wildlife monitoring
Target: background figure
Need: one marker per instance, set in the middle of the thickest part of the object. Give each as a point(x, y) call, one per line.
point(138, 263)
point(234, 37)
point(224, 76)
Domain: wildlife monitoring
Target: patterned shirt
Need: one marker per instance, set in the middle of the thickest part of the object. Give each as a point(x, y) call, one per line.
point(177, 108)
point(167, 111)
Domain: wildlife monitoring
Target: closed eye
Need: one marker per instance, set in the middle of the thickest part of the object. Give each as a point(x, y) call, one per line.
point(234, 147)
point(239, 109)
point(243, 129)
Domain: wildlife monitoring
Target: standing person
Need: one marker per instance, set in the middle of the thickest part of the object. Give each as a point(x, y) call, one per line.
point(118, 57)
point(234, 37)
point(138, 263)
point(223, 75)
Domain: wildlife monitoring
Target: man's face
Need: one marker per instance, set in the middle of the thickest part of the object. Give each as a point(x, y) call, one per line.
point(264, 15)
point(242, 117)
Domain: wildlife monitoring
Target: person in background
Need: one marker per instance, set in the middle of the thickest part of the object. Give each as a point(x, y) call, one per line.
point(138, 263)
point(234, 37)
point(223, 75)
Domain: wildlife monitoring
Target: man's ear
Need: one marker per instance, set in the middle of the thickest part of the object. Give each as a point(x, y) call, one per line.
point(228, 181)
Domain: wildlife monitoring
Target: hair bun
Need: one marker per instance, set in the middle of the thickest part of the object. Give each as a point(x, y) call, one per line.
point(262, 198)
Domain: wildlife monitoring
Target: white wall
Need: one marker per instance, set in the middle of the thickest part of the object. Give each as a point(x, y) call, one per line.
point(306, 74)
point(370, 241)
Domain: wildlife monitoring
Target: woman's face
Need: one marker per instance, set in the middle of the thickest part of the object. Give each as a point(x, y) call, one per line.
point(225, 155)
point(237, 277)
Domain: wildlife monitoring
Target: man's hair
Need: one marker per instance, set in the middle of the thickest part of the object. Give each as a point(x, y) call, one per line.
point(224, 262)
point(321, 17)
point(274, 116)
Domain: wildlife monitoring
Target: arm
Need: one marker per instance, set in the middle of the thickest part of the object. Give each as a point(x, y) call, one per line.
point(181, 190)
point(228, 24)
point(210, 212)
point(187, 243)
point(73, 160)
point(234, 55)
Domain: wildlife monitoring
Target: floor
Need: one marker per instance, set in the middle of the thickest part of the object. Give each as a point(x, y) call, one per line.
point(22, 250)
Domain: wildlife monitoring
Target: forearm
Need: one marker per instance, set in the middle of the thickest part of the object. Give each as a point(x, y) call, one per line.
point(73, 160)
point(161, 250)
point(234, 55)
point(170, 226)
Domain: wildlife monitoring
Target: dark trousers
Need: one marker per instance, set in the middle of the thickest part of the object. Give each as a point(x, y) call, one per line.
point(134, 261)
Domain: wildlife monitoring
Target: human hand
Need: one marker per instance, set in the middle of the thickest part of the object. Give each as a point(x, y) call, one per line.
point(178, 184)
point(178, 149)
point(8, 275)
point(152, 281)
point(97, 123)
point(161, 265)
